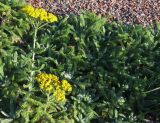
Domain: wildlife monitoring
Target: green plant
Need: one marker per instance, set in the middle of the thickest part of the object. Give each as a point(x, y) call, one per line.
point(113, 69)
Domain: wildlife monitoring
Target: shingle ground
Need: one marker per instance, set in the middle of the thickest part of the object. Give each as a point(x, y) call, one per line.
point(128, 11)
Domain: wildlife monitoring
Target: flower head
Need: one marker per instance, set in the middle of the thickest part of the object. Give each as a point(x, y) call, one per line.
point(46, 81)
point(51, 84)
point(66, 86)
point(39, 13)
point(59, 95)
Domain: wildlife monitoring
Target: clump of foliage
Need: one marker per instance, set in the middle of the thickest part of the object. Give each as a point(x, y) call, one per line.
point(113, 69)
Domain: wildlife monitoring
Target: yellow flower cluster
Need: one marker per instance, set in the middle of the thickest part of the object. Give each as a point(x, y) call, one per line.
point(51, 84)
point(47, 82)
point(66, 86)
point(59, 95)
point(39, 13)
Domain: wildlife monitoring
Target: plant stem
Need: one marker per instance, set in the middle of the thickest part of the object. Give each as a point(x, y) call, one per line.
point(158, 88)
point(48, 98)
point(34, 46)
point(33, 55)
point(42, 25)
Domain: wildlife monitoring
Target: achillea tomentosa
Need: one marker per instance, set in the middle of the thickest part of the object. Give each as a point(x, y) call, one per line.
point(39, 13)
point(51, 84)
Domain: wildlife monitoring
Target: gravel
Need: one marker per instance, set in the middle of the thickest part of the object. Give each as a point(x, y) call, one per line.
point(127, 11)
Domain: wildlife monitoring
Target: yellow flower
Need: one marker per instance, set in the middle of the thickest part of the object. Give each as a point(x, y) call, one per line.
point(59, 95)
point(39, 13)
point(49, 89)
point(52, 17)
point(46, 81)
point(52, 85)
point(66, 86)
point(56, 84)
point(28, 9)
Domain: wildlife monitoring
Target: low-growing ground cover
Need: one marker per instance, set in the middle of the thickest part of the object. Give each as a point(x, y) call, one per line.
point(76, 69)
